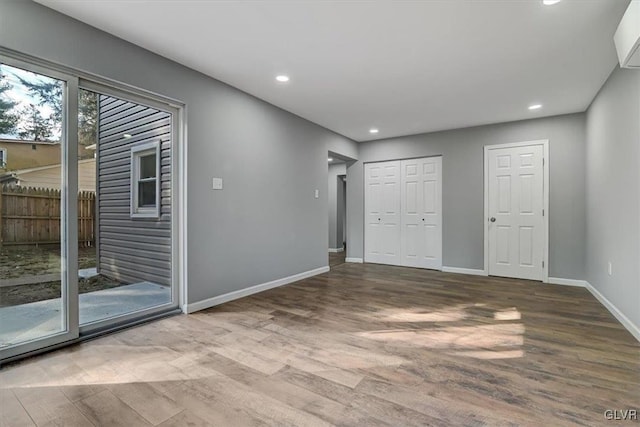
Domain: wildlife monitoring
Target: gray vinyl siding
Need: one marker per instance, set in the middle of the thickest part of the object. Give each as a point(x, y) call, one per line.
point(131, 250)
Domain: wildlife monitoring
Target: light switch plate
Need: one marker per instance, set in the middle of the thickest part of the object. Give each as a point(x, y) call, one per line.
point(217, 184)
point(317, 194)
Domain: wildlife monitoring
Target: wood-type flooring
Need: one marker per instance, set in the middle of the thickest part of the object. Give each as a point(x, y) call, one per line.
point(363, 345)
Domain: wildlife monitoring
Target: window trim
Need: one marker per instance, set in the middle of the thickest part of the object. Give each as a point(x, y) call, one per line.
point(3, 162)
point(138, 151)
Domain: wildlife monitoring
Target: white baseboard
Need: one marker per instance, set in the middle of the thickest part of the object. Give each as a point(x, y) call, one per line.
point(624, 320)
point(221, 299)
point(460, 270)
point(358, 260)
point(336, 250)
point(628, 324)
point(567, 282)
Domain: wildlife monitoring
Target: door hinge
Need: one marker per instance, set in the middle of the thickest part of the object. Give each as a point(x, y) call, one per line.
point(542, 264)
point(542, 212)
point(543, 161)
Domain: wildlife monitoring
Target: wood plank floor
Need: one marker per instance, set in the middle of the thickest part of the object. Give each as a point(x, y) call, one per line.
point(336, 258)
point(364, 345)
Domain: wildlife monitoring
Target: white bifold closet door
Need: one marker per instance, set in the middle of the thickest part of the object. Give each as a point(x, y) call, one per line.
point(382, 213)
point(421, 207)
point(403, 212)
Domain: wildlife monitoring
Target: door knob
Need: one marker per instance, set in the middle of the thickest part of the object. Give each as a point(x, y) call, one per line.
point(493, 219)
point(378, 219)
point(423, 219)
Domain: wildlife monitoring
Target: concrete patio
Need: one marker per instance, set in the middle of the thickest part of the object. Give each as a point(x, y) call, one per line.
point(25, 322)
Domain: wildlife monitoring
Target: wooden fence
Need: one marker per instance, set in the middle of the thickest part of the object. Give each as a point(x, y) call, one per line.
point(31, 216)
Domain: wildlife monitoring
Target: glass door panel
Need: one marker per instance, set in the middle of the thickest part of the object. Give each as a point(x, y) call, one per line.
point(125, 209)
point(36, 285)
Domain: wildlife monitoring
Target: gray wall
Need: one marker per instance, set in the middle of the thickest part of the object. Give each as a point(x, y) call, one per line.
point(342, 210)
point(463, 187)
point(334, 196)
point(613, 188)
point(131, 250)
point(267, 157)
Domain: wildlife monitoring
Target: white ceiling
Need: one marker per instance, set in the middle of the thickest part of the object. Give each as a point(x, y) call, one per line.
point(404, 67)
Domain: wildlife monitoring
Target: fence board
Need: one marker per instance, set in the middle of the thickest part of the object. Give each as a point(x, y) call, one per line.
point(31, 216)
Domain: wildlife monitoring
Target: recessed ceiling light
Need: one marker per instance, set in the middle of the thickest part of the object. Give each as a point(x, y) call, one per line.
point(535, 107)
point(550, 2)
point(282, 78)
point(330, 159)
point(126, 136)
point(373, 130)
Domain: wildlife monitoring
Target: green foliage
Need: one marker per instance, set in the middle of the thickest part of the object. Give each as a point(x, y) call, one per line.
point(87, 118)
point(47, 93)
point(29, 123)
point(50, 94)
point(8, 118)
point(34, 126)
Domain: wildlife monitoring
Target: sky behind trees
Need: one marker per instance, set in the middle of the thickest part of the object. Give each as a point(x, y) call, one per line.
point(24, 102)
point(31, 108)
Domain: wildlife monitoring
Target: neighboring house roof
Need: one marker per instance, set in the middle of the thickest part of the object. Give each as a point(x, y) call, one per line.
point(50, 176)
point(25, 141)
point(8, 178)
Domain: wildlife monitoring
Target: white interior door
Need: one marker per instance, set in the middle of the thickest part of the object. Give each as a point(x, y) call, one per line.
point(382, 213)
point(421, 206)
point(516, 200)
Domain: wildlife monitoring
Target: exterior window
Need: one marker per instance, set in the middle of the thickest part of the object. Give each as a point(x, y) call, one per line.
point(145, 181)
point(3, 158)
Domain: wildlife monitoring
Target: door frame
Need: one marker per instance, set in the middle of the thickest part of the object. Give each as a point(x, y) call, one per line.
point(545, 200)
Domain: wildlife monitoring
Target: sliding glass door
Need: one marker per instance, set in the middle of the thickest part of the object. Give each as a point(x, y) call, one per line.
point(125, 266)
point(88, 228)
point(38, 286)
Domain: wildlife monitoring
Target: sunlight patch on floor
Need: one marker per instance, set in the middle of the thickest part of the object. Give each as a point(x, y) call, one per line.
point(450, 314)
point(507, 314)
point(484, 341)
point(490, 354)
point(453, 337)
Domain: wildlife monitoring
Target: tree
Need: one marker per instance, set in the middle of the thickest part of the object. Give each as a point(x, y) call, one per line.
point(34, 126)
point(87, 117)
point(50, 94)
point(8, 118)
